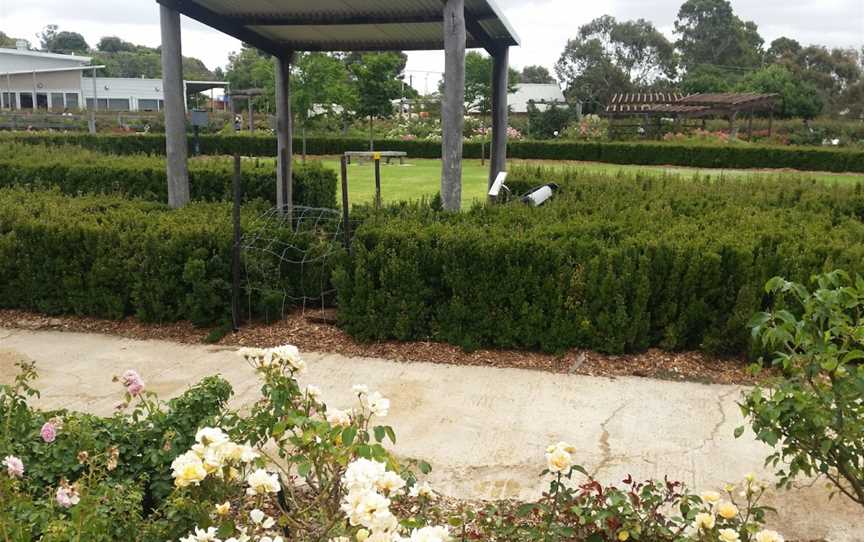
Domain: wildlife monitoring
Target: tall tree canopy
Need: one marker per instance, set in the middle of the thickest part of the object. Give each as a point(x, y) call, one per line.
point(797, 98)
point(113, 44)
point(536, 74)
point(709, 32)
point(320, 80)
point(608, 56)
point(379, 79)
point(64, 42)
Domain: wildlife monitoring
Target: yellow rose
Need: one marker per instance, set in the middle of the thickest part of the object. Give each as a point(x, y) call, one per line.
point(729, 535)
point(191, 473)
point(558, 460)
point(623, 535)
point(362, 535)
point(711, 497)
point(727, 510)
point(705, 521)
point(223, 509)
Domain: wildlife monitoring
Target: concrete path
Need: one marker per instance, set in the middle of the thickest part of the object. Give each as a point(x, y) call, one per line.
point(484, 430)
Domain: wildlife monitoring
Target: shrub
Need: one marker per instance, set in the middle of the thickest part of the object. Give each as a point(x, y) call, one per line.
point(293, 467)
point(740, 156)
point(813, 414)
point(613, 264)
point(110, 257)
point(75, 170)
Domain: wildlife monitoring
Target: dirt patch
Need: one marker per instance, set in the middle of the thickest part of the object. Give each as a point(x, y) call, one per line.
point(314, 331)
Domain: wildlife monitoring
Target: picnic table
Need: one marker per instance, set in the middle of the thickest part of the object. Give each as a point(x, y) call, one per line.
point(371, 155)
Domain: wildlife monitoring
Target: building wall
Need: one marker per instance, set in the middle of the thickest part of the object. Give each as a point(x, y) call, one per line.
point(139, 94)
point(54, 90)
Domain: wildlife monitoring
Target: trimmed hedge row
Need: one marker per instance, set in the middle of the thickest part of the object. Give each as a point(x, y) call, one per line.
point(109, 257)
point(75, 170)
point(613, 264)
point(741, 156)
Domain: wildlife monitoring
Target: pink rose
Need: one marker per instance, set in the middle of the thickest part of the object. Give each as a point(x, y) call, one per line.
point(67, 496)
point(48, 432)
point(133, 382)
point(14, 466)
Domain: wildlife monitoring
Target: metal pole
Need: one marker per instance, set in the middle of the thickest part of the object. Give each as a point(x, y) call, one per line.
point(95, 103)
point(377, 181)
point(235, 257)
point(251, 115)
point(35, 101)
point(346, 226)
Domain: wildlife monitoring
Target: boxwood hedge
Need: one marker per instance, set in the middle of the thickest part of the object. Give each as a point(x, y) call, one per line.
point(741, 156)
point(107, 256)
point(614, 264)
point(75, 170)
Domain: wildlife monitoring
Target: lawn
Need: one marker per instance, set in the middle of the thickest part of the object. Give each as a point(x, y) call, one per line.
point(419, 177)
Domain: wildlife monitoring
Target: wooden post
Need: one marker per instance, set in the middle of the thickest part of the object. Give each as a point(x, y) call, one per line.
point(284, 136)
point(771, 121)
point(235, 256)
point(377, 181)
point(453, 104)
point(176, 143)
point(750, 126)
point(251, 114)
point(346, 224)
point(498, 147)
point(733, 128)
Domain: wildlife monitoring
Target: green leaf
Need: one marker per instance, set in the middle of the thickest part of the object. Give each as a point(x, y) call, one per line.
point(348, 435)
point(391, 434)
point(380, 433)
point(425, 467)
point(739, 431)
point(303, 469)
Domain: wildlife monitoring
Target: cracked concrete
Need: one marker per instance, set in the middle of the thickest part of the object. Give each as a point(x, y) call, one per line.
point(484, 430)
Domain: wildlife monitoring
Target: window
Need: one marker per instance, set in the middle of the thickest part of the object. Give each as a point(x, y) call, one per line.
point(57, 100)
point(103, 103)
point(118, 104)
point(71, 100)
point(8, 99)
point(148, 105)
point(26, 100)
point(42, 101)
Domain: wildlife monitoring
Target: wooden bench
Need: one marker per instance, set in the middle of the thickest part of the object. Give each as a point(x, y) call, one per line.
point(370, 155)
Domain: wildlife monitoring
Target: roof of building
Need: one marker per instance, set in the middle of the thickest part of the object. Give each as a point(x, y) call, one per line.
point(347, 25)
point(40, 54)
point(53, 70)
point(538, 93)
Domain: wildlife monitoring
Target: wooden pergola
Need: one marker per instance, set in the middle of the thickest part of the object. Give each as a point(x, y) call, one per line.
point(658, 105)
point(284, 27)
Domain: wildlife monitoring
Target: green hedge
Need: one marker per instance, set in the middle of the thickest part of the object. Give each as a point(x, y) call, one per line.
point(741, 156)
point(107, 256)
point(614, 264)
point(75, 170)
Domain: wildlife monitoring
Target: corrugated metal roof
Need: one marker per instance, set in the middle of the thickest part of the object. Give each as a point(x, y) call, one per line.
point(347, 25)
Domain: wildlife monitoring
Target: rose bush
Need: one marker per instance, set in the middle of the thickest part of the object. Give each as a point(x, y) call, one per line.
point(291, 468)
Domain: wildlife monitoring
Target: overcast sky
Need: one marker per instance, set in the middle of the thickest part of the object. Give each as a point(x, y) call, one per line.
point(543, 25)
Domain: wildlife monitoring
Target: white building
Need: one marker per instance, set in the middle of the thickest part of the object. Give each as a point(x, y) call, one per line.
point(542, 95)
point(64, 82)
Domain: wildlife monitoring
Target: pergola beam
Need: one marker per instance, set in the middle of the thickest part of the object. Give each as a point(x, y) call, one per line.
point(341, 20)
point(214, 20)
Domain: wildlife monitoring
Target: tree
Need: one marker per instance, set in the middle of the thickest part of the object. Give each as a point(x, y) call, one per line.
point(113, 44)
point(478, 82)
point(832, 72)
point(536, 74)
point(782, 48)
point(709, 78)
point(7, 41)
point(379, 80)
point(797, 98)
point(548, 123)
point(319, 80)
point(62, 42)
point(709, 32)
point(608, 56)
point(250, 68)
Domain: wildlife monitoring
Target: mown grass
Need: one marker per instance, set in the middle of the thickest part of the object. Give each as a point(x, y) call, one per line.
point(421, 178)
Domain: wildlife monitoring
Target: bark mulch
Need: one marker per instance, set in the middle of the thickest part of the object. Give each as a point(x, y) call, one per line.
point(315, 331)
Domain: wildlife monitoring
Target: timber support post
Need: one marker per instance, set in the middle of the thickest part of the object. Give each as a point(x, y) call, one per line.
point(176, 143)
point(500, 84)
point(284, 136)
point(453, 105)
